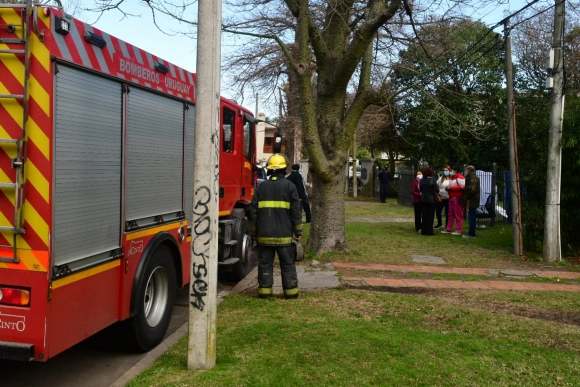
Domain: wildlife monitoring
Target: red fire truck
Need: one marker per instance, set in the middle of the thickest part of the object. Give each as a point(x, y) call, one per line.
point(96, 176)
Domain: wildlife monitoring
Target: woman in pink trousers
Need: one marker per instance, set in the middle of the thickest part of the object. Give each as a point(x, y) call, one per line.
point(455, 190)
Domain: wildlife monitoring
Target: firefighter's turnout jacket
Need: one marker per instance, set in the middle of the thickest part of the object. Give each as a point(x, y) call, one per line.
point(275, 212)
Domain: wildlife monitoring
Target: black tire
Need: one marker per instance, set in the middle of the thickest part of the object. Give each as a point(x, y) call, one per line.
point(154, 300)
point(244, 245)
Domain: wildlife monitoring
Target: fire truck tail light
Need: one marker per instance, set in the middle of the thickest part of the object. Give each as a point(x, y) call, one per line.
point(16, 297)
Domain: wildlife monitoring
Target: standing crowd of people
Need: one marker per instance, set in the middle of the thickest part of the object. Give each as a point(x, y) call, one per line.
point(451, 192)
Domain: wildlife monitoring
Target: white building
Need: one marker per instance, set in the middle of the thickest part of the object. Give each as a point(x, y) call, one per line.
point(265, 140)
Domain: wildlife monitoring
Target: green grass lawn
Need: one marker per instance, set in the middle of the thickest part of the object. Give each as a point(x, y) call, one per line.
point(363, 338)
point(455, 276)
point(405, 337)
point(374, 209)
point(395, 242)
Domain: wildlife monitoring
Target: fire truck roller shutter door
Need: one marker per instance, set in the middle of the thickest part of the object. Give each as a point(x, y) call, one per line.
point(87, 168)
point(154, 175)
point(189, 163)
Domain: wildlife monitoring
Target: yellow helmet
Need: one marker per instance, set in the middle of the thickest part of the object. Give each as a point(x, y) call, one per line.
point(277, 161)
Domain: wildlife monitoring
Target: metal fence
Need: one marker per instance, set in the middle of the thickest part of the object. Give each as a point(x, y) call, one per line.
point(404, 196)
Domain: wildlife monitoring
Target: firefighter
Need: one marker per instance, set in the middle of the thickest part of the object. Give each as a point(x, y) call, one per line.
point(275, 218)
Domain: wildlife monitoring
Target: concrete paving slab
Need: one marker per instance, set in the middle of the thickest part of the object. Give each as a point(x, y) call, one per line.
point(517, 273)
point(428, 259)
point(311, 280)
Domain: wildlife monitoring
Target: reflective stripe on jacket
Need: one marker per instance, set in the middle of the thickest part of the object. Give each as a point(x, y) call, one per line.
point(275, 212)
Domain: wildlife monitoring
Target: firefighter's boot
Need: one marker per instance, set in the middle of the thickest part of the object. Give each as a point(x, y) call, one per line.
point(291, 293)
point(265, 292)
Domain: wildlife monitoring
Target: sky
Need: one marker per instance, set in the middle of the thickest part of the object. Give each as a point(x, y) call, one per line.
point(140, 31)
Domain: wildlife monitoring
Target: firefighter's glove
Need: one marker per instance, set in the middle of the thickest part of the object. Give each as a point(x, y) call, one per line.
point(297, 250)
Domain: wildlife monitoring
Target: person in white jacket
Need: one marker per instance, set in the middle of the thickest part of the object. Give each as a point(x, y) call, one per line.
point(443, 183)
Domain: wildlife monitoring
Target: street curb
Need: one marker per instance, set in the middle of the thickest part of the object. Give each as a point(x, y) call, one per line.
point(246, 282)
point(144, 363)
point(169, 342)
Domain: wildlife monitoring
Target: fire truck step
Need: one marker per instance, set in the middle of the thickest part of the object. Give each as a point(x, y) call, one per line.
point(10, 140)
point(16, 230)
point(16, 351)
point(9, 5)
point(230, 243)
point(16, 96)
point(12, 51)
point(8, 185)
point(12, 41)
point(229, 262)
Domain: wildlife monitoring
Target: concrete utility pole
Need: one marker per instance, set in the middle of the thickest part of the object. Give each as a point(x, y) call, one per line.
point(204, 245)
point(552, 242)
point(515, 194)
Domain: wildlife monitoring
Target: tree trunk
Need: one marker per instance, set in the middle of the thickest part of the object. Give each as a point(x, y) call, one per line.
point(293, 118)
point(327, 231)
point(392, 164)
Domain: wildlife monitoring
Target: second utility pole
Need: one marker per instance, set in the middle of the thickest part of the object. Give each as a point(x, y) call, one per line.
point(515, 194)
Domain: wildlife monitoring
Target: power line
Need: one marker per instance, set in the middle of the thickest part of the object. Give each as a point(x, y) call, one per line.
point(490, 29)
point(533, 16)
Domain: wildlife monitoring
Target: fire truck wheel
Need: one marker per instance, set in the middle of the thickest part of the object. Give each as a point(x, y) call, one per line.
point(155, 301)
point(244, 245)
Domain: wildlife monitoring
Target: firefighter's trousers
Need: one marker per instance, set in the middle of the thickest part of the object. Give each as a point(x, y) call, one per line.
point(287, 268)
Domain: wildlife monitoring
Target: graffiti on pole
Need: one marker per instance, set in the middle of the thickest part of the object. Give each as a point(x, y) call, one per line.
point(203, 233)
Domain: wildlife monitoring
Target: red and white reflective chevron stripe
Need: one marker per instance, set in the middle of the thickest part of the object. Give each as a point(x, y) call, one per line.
point(120, 59)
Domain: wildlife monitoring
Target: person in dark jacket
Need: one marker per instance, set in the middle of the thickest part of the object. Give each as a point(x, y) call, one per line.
point(417, 199)
point(275, 217)
point(428, 187)
point(384, 180)
point(296, 178)
point(471, 199)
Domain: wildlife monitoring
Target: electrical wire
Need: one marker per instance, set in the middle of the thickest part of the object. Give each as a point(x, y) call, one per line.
point(533, 16)
point(490, 30)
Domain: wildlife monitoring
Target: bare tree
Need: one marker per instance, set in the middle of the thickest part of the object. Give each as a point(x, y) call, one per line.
point(321, 44)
